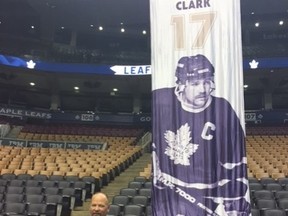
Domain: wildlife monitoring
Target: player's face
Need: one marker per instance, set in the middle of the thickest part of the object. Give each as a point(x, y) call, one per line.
point(197, 92)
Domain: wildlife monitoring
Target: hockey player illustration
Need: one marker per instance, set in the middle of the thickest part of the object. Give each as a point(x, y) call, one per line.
point(199, 157)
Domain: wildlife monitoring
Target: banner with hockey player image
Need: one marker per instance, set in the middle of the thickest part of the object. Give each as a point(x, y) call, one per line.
point(199, 156)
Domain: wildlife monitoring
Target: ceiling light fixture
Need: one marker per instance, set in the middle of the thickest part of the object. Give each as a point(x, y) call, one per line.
point(122, 30)
point(144, 32)
point(257, 24)
point(281, 22)
point(100, 28)
point(32, 84)
point(76, 88)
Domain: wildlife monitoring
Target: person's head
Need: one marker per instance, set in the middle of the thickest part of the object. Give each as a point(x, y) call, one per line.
point(99, 205)
point(194, 80)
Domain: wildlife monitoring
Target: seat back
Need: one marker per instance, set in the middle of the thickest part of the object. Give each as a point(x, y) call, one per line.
point(56, 178)
point(72, 178)
point(273, 212)
point(51, 190)
point(17, 182)
point(267, 180)
point(255, 212)
point(14, 198)
point(140, 200)
point(130, 192)
point(8, 176)
point(265, 204)
point(36, 208)
point(133, 210)
point(263, 194)
point(145, 192)
point(120, 200)
point(281, 194)
point(273, 187)
point(15, 190)
point(40, 177)
point(135, 184)
point(283, 181)
point(12, 208)
point(64, 184)
point(283, 204)
point(114, 210)
point(32, 183)
point(255, 186)
point(48, 183)
point(33, 190)
point(24, 176)
point(34, 198)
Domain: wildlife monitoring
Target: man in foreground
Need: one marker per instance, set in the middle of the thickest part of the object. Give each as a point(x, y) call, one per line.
point(99, 205)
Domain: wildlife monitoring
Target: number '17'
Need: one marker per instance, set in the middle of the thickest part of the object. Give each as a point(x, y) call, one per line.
point(205, 19)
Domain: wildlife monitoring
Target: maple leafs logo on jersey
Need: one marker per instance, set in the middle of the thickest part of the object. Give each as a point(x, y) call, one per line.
point(179, 147)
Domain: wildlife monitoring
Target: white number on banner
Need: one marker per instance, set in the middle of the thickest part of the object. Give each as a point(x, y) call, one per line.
point(205, 19)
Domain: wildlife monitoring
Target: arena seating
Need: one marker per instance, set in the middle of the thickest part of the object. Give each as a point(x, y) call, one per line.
point(74, 174)
point(267, 156)
point(55, 169)
point(137, 193)
point(267, 151)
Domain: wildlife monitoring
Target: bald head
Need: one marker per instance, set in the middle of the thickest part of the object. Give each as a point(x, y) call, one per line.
point(99, 205)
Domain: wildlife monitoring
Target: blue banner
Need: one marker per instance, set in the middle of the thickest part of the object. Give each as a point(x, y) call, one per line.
point(199, 157)
point(131, 70)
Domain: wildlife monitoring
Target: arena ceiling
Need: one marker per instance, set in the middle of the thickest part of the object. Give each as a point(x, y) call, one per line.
point(133, 15)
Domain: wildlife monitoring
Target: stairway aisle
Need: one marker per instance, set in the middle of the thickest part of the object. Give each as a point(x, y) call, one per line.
point(121, 181)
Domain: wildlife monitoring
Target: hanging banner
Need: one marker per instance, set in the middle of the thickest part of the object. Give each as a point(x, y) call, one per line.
point(199, 161)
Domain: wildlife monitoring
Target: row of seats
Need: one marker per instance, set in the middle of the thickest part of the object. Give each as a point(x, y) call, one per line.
point(267, 180)
point(268, 212)
point(266, 203)
point(59, 201)
point(269, 186)
point(266, 130)
point(58, 204)
point(27, 209)
point(67, 162)
point(135, 199)
point(267, 156)
point(268, 194)
point(260, 200)
point(41, 184)
point(77, 138)
point(48, 183)
point(264, 157)
point(129, 210)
